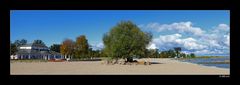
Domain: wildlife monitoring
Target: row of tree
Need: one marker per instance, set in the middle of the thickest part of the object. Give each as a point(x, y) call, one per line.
point(78, 49)
point(124, 41)
point(175, 54)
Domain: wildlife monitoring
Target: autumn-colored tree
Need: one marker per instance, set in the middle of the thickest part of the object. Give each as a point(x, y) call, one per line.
point(81, 47)
point(67, 48)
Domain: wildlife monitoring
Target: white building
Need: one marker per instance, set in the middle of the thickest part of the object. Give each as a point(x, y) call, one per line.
point(35, 51)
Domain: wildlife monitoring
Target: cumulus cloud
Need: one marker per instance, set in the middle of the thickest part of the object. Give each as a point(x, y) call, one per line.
point(175, 40)
point(97, 46)
point(212, 41)
point(227, 40)
point(152, 46)
point(203, 51)
point(222, 28)
point(181, 27)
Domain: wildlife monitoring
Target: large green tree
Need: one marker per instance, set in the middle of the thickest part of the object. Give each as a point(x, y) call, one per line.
point(125, 40)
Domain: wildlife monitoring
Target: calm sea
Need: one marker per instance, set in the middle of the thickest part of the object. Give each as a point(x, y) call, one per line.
point(209, 61)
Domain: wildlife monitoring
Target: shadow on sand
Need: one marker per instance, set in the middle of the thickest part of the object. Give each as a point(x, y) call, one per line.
point(156, 63)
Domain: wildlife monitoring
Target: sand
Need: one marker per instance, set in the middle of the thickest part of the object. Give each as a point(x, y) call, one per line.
point(165, 66)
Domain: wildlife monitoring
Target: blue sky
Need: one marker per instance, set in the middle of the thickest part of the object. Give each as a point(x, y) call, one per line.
point(183, 26)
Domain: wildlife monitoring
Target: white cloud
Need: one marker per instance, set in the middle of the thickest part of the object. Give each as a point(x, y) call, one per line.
point(211, 52)
point(174, 40)
point(190, 43)
point(100, 45)
point(190, 37)
point(152, 46)
point(227, 40)
point(202, 52)
point(213, 43)
point(223, 27)
point(97, 46)
point(180, 27)
point(168, 38)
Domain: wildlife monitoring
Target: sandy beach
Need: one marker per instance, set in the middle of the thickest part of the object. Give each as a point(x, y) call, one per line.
point(162, 67)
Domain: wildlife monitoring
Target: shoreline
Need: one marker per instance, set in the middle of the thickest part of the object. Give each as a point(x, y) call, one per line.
point(165, 66)
point(202, 64)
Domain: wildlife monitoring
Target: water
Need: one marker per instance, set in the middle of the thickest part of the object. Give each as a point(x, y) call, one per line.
point(210, 62)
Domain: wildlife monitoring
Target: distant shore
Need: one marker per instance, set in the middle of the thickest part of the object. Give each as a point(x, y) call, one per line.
point(161, 66)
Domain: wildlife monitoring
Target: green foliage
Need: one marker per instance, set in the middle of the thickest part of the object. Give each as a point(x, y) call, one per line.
point(171, 54)
point(177, 50)
point(153, 53)
point(102, 53)
point(81, 49)
point(188, 56)
point(39, 42)
point(192, 55)
point(13, 49)
point(183, 55)
point(125, 40)
point(18, 43)
point(14, 46)
point(55, 47)
point(167, 54)
point(94, 53)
